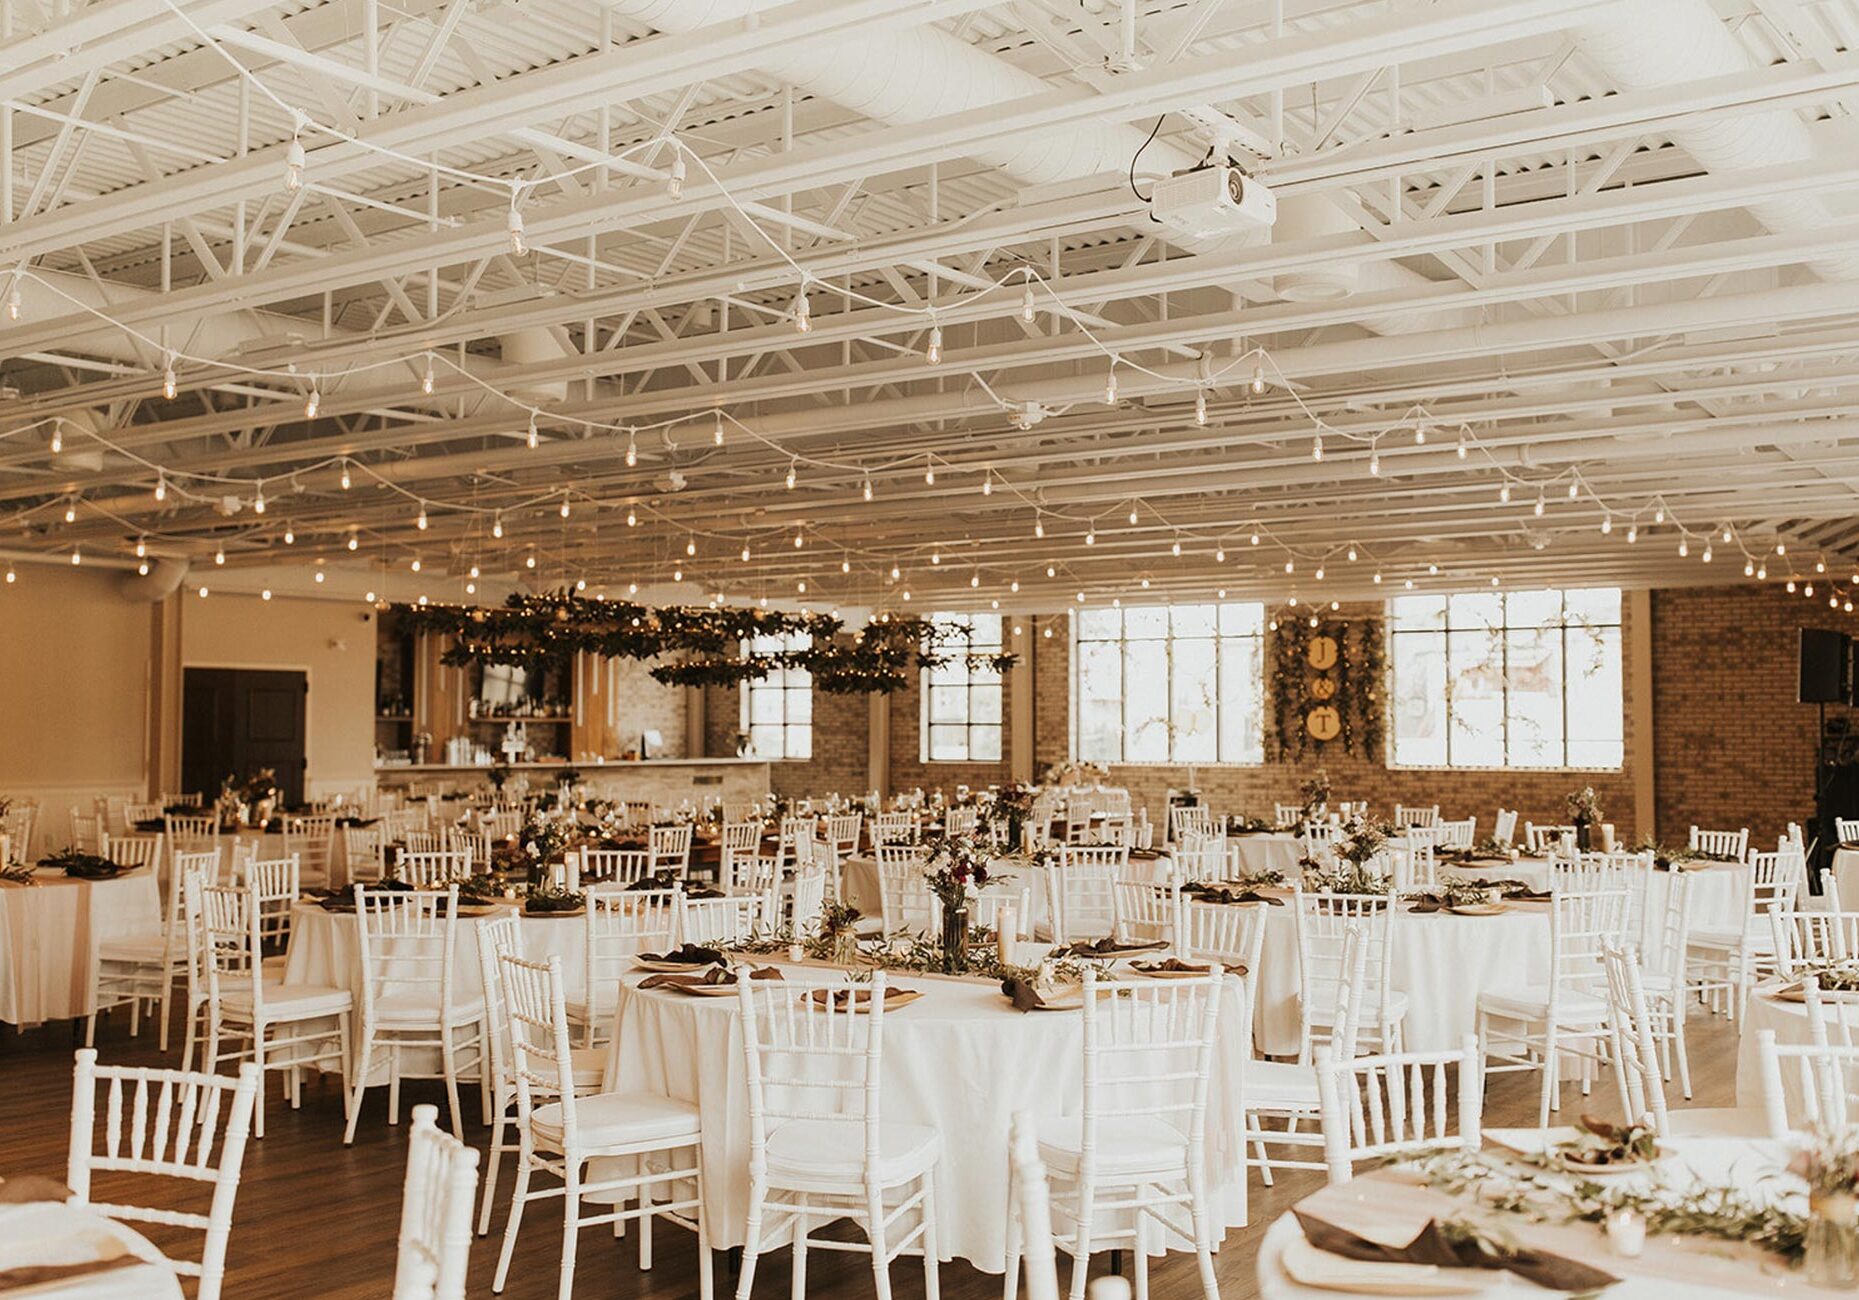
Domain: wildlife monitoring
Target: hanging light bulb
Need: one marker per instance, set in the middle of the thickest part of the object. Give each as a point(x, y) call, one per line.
point(141, 548)
point(1726, 532)
point(1200, 408)
point(803, 311)
point(58, 438)
point(258, 501)
point(1607, 524)
point(800, 539)
point(142, 569)
point(474, 570)
point(933, 353)
point(1014, 586)
point(161, 488)
point(1465, 448)
point(632, 517)
point(1258, 378)
point(1219, 555)
point(1789, 585)
point(70, 512)
point(12, 300)
point(896, 573)
point(929, 475)
point(347, 482)
point(791, 475)
point(1290, 566)
point(716, 434)
point(987, 484)
point(294, 160)
point(219, 556)
point(1175, 548)
point(1684, 547)
point(1374, 464)
point(1633, 533)
point(867, 489)
point(1027, 310)
point(1658, 515)
point(1090, 538)
point(632, 448)
point(845, 566)
point(1132, 516)
point(1039, 526)
point(674, 185)
point(1504, 494)
point(354, 542)
point(566, 511)
point(497, 524)
point(690, 546)
point(1707, 552)
point(974, 580)
point(513, 223)
point(1052, 571)
point(420, 521)
point(1377, 579)
point(1255, 537)
point(1749, 568)
point(312, 403)
point(745, 552)
point(936, 557)
point(1319, 573)
point(168, 385)
point(77, 555)
point(1540, 505)
point(1110, 384)
point(534, 436)
point(1316, 446)
point(529, 561)
point(426, 379)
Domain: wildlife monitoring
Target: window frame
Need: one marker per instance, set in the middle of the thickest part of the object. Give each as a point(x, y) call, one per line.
point(959, 646)
point(1562, 626)
point(782, 682)
point(1168, 640)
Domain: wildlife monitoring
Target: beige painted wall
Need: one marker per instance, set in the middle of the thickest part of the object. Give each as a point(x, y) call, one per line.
point(74, 679)
point(332, 641)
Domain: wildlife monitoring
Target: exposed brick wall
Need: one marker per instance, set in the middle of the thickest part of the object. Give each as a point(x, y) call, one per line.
point(1731, 746)
point(841, 742)
point(909, 771)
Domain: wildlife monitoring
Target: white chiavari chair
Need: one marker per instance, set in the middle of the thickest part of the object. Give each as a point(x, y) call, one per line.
point(1847, 828)
point(190, 834)
point(984, 909)
point(619, 923)
point(1198, 856)
point(1081, 890)
point(608, 867)
point(497, 938)
point(720, 922)
point(398, 825)
point(820, 1148)
point(407, 940)
point(1830, 890)
point(639, 812)
point(312, 839)
point(1733, 845)
point(1029, 1212)
point(17, 824)
point(86, 831)
point(279, 1027)
point(792, 831)
point(1324, 923)
point(503, 824)
point(136, 815)
point(656, 1140)
point(1378, 1107)
point(138, 968)
point(1804, 941)
point(1828, 1084)
point(843, 833)
point(1504, 829)
point(1541, 841)
point(1196, 818)
point(1287, 814)
point(434, 1251)
point(133, 851)
point(1458, 834)
point(1534, 1026)
point(191, 1128)
point(187, 928)
point(1415, 859)
point(903, 890)
point(276, 884)
point(1726, 961)
point(421, 841)
point(1409, 815)
point(1320, 837)
point(961, 820)
point(364, 848)
point(671, 848)
point(807, 899)
point(1139, 1140)
point(893, 828)
point(431, 870)
point(740, 848)
point(1590, 871)
point(1144, 911)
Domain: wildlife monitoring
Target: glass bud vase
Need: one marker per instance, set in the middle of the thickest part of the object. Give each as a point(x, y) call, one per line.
point(845, 946)
point(1584, 834)
point(1832, 1245)
point(954, 939)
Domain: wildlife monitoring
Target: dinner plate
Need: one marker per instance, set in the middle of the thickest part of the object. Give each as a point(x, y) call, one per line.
point(1308, 1266)
point(1070, 999)
point(1477, 909)
point(579, 911)
point(660, 967)
point(1199, 973)
point(1542, 1144)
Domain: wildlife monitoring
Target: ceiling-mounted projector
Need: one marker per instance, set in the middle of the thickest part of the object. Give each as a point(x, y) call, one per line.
point(1216, 200)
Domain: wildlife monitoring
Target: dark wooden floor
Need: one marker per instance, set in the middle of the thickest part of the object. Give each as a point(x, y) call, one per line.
point(316, 1218)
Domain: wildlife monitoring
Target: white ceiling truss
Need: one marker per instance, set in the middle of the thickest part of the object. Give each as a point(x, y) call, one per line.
point(1588, 270)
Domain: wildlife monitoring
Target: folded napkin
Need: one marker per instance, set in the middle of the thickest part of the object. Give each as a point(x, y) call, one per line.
point(29, 1188)
point(1111, 946)
point(1430, 1246)
point(1022, 993)
point(689, 954)
point(1216, 894)
point(1176, 966)
point(714, 976)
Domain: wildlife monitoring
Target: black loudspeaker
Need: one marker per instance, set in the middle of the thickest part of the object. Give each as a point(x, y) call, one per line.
point(1824, 675)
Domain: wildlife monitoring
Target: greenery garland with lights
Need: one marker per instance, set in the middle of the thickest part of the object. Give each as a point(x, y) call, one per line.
point(1360, 674)
point(709, 645)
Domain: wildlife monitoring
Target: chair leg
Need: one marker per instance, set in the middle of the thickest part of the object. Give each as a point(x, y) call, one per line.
point(258, 1058)
point(797, 1286)
point(1678, 1047)
point(167, 989)
point(932, 1240)
point(1139, 1251)
point(880, 1244)
point(706, 1284)
point(645, 1225)
point(752, 1239)
point(358, 1086)
point(1081, 1245)
point(1010, 1290)
point(449, 1055)
point(1552, 1076)
point(518, 1195)
point(1203, 1231)
point(571, 1224)
point(490, 1170)
point(90, 1032)
point(393, 1084)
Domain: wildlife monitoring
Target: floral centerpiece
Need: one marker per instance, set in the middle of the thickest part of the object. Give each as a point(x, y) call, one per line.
point(1315, 794)
point(1829, 1165)
point(838, 931)
point(1075, 774)
point(1354, 869)
point(544, 841)
point(1014, 804)
point(1585, 812)
point(957, 870)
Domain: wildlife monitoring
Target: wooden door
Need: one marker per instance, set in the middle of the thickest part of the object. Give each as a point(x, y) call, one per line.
point(237, 721)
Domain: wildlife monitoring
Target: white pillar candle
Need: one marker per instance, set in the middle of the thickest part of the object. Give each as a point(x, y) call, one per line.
point(1626, 1232)
point(1008, 923)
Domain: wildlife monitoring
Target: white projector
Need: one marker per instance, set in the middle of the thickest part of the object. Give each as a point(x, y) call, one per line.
point(1220, 200)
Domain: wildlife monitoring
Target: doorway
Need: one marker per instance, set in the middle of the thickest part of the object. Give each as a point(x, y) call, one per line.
point(237, 721)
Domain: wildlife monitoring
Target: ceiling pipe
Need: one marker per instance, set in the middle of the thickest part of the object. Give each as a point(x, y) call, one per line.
point(164, 578)
point(1653, 43)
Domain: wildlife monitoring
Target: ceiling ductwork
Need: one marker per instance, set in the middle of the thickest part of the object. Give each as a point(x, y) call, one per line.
point(165, 577)
point(1653, 43)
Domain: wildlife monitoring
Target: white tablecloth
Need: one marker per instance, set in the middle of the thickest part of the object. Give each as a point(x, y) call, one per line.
point(1266, 851)
point(49, 933)
point(961, 1059)
point(1441, 962)
point(1669, 1267)
point(45, 1232)
point(1789, 1021)
point(858, 881)
point(1717, 889)
point(1846, 876)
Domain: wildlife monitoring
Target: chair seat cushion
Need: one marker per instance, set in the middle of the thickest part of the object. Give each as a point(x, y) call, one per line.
point(826, 1151)
point(144, 949)
point(1280, 1085)
point(1723, 937)
point(619, 1119)
point(292, 1001)
point(1396, 1010)
point(1716, 1121)
point(398, 1010)
point(1126, 1145)
point(1531, 1002)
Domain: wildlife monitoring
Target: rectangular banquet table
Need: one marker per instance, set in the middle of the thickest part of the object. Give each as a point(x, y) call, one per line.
point(49, 935)
point(960, 1059)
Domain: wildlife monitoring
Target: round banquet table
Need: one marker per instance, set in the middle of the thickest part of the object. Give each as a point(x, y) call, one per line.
point(1789, 1021)
point(1382, 1206)
point(42, 1233)
point(1442, 962)
point(1717, 888)
point(858, 883)
point(960, 1059)
point(49, 934)
point(1254, 852)
point(1846, 874)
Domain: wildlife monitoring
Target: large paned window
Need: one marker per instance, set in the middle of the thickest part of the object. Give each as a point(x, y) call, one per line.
point(961, 719)
point(1507, 679)
point(1169, 684)
point(777, 711)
